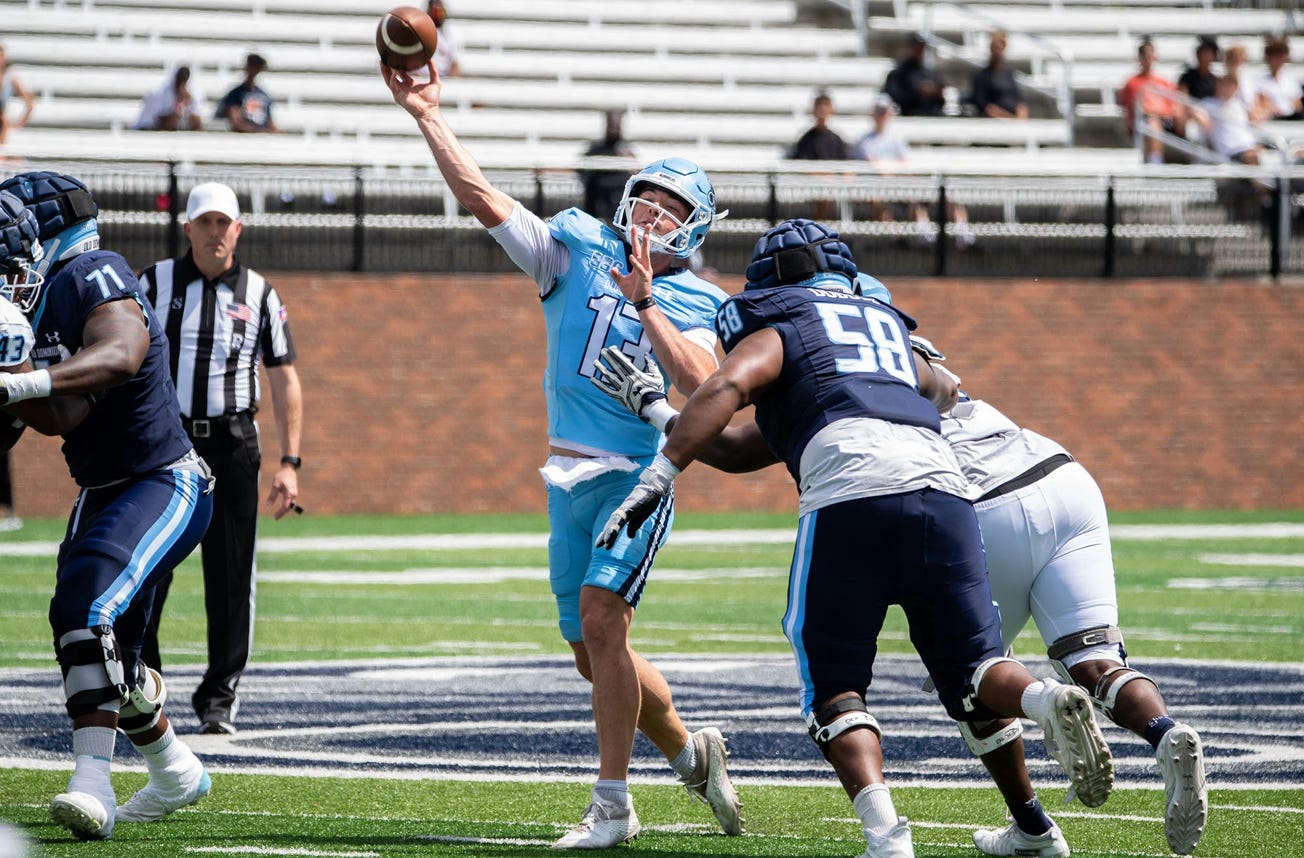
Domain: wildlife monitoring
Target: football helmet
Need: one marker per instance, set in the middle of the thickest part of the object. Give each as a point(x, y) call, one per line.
point(20, 252)
point(688, 182)
point(801, 252)
point(65, 214)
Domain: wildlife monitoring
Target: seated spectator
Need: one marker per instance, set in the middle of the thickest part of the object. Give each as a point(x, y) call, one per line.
point(913, 84)
point(603, 189)
point(448, 51)
point(247, 107)
point(174, 106)
point(1234, 60)
point(1145, 90)
point(885, 147)
point(1197, 81)
point(995, 91)
point(11, 86)
point(1279, 92)
point(820, 142)
point(1226, 124)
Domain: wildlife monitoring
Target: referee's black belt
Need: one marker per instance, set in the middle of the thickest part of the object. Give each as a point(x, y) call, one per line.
point(1028, 477)
point(205, 427)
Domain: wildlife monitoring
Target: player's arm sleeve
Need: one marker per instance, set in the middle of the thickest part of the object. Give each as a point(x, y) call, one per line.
point(529, 243)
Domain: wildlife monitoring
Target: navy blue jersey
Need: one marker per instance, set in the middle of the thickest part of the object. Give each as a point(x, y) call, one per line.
point(133, 428)
point(844, 356)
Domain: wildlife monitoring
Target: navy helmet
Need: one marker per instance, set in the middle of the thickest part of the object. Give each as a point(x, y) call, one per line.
point(802, 252)
point(688, 182)
point(65, 213)
point(20, 252)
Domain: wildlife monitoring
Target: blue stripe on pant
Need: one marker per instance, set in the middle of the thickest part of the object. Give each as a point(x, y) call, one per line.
point(120, 541)
point(921, 550)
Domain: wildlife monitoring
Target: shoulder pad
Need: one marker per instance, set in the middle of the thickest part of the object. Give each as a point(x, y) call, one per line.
point(926, 348)
point(575, 226)
point(746, 313)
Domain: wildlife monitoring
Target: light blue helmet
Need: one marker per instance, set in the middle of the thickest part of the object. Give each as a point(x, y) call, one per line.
point(688, 182)
point(20, 252)
point(65, 213)
point(871, 287)
point(801, 252)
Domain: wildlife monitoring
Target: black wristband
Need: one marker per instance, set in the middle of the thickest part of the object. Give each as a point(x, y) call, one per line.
point(643, 304)
point(292, 461)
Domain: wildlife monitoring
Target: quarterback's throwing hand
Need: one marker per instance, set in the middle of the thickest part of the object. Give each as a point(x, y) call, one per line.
point(652, 488)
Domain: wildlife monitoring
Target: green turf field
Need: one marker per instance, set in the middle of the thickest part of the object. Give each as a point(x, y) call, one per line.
point(1167, 610)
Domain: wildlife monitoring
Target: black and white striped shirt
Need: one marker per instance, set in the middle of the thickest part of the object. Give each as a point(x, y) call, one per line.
point(218, 331)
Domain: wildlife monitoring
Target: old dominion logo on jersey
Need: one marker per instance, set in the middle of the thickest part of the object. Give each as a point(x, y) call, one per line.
point(134, 427)
point(586, 312)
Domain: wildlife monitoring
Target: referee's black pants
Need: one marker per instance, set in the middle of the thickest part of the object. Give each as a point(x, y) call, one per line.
point(231, 451)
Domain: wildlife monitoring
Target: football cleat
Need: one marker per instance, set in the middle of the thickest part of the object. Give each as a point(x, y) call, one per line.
point(1074, 739)
point(1012, 840)
point(166, 792)
point(895, 844)
point(1186, 809)
point(83, 814)
point(709, 782)
point(602, 827)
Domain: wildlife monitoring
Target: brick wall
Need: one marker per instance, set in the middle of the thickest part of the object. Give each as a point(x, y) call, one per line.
point(422, 392)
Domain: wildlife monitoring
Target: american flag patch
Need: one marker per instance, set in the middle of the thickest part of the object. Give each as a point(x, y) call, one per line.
point(240, 312)
point(282, 314)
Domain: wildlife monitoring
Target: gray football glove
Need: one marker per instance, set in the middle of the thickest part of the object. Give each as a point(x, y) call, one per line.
point(642, 392)
point(653, 486)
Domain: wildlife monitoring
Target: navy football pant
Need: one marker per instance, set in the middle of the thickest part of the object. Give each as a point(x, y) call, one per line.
point(121, 540)
point(921, 550)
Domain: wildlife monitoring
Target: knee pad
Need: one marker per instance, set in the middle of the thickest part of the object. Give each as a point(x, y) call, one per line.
point(1107, 639)
point(985, 745)
point(1105, 694)
point(92, 671)
point(144, 704)
point(971, 702)
point(829, 721)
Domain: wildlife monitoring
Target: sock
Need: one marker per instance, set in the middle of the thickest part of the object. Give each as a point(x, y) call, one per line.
point(93, 748)
point(1156, 728)
point(1029, 816)
point(612, 792)
point(1154, 159)
point(873, 805)
point(686, 763)
point(165, 752)
point(1033, 705)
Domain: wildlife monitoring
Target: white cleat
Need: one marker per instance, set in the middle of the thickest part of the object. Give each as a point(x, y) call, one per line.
point(1074, 739)
point(83, 814)
point(1181, 761)
point(166, 792)
point(602, 827)
point(710, 781)
point(1012, 840)
point(895, 844)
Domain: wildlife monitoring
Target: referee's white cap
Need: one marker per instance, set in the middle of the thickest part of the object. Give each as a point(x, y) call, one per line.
point(212, 197)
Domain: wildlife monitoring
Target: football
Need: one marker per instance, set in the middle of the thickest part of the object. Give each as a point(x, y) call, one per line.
point(406, 38)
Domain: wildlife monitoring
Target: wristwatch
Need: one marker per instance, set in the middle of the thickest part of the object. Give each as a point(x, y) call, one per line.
point(292, 461)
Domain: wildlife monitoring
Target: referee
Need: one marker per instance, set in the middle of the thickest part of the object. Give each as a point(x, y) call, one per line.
point(222, 319)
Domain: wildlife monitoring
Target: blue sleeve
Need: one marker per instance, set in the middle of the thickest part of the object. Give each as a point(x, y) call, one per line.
point(743, 315)
point(100, 277)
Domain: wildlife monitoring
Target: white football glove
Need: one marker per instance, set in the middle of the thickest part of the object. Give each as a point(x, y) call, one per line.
point(653, 486)
point(642, 392)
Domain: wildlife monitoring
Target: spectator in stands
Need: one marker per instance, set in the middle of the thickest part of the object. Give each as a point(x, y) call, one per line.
point(1234, 67)
point(1226, 124)
point(448, 51)
point(11, 86)
point(174, 106)
point(885, 147)
point(1198, 81)
point(603, 189)
point(995, 91)
point(1278, 91)
point(913, 84)
point(820, 143)
point(247, 107)
point(1158, 113)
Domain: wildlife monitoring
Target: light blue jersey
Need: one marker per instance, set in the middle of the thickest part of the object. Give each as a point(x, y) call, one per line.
point(585, 312)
